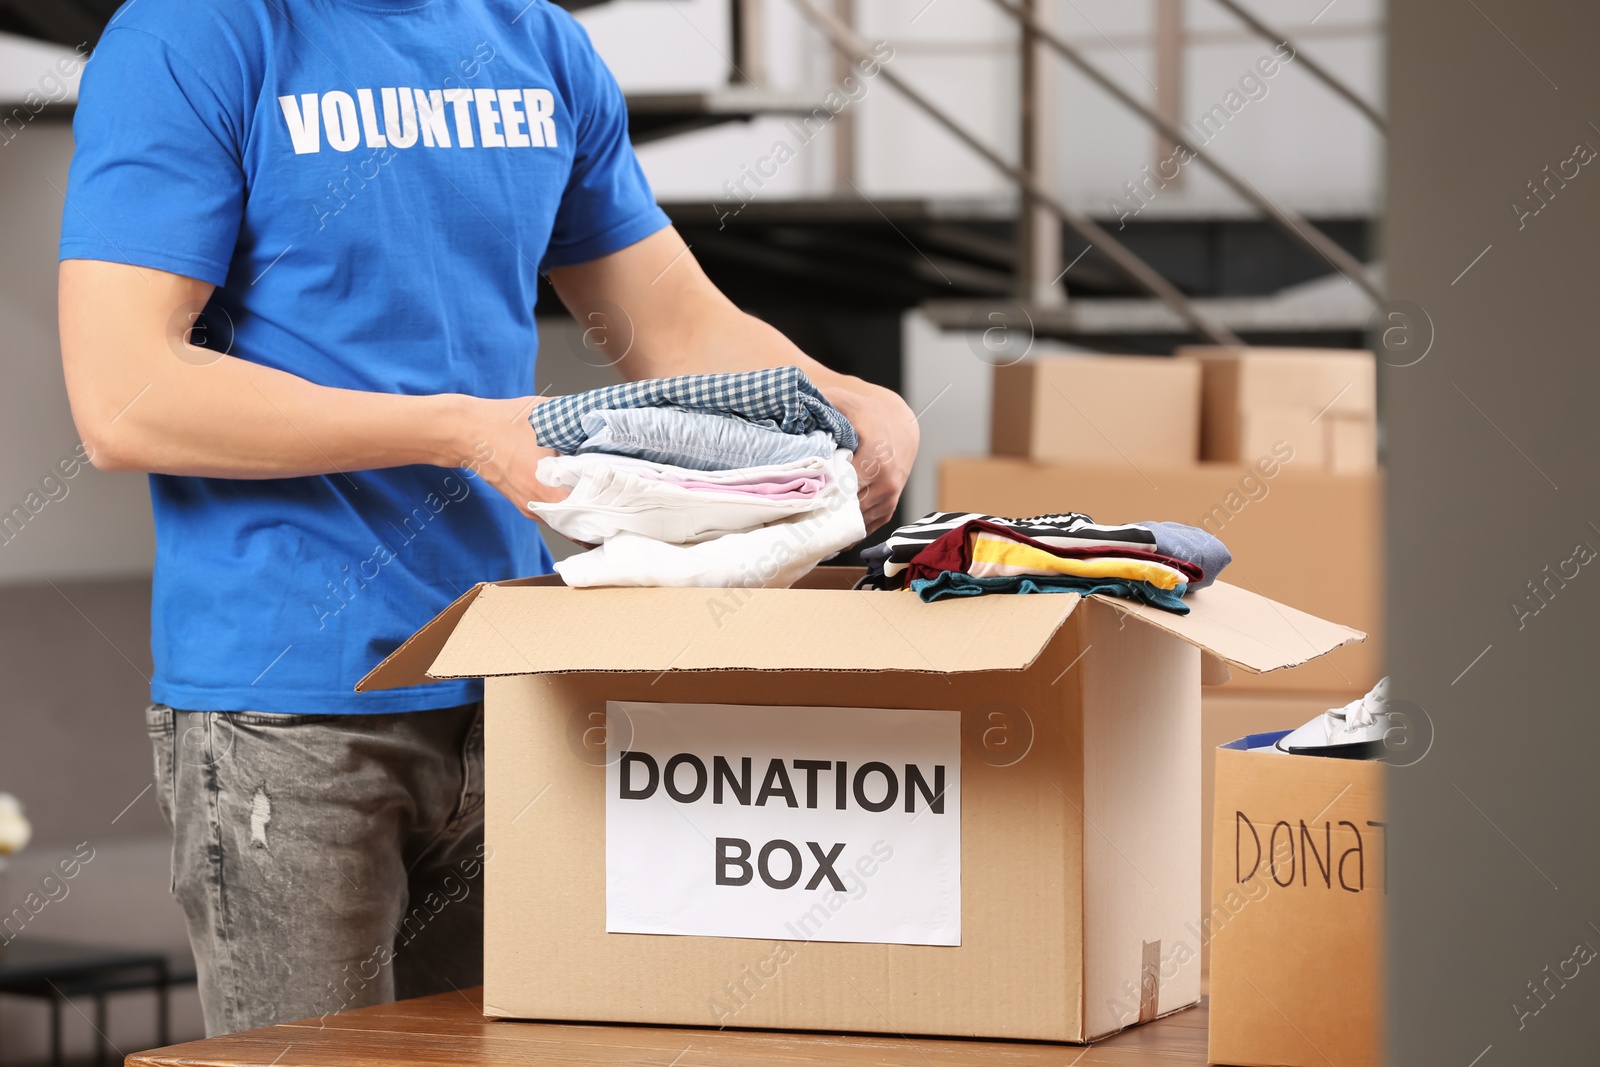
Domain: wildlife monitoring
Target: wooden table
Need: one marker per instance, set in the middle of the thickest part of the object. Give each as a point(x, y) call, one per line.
point(448, 1029)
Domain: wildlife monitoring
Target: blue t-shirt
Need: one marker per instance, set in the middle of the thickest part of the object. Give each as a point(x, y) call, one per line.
point(373, 187)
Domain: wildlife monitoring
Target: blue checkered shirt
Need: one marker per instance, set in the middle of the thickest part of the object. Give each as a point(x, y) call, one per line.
point(780, 397)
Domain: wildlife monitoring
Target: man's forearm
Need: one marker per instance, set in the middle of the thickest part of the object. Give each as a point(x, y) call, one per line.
point(678, 322)
point(144, 399)
point(744, 342)
point(234, 419)
point(739, 341)
point(720, 338)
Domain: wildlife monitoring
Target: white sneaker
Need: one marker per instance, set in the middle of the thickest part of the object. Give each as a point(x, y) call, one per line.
point(1355, 731)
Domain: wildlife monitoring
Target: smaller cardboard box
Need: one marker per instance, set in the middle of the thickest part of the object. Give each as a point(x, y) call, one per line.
point(1306, 537)
point(1352, 444)
point(1230, 712)
point(672, 838)
point(1299, 876)
point(1323, 402)
point(1263, 429)
point(1098, 409)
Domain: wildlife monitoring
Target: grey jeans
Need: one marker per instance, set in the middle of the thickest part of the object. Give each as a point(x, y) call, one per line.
point(324, 862)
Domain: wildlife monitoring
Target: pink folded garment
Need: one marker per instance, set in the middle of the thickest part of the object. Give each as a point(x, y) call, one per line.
point(794, 489)
point(776, 485)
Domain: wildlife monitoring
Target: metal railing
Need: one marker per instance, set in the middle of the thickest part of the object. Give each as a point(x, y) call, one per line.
point(1285, 219)
point(845, 40)
point(1322, 73)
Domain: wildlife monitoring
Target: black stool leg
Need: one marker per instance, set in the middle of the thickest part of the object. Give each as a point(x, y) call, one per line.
point(100, 1027)
point(55, 1030)
point(163, 1008)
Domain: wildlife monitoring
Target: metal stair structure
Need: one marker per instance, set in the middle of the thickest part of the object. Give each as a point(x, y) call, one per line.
point(653, 116)
point(955, 259)
point(835, 272)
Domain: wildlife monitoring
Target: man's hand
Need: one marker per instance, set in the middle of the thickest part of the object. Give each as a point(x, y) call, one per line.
point(889, 438)
point(505, 450)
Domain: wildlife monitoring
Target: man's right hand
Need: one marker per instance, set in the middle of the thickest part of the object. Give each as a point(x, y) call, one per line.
point(504, 449)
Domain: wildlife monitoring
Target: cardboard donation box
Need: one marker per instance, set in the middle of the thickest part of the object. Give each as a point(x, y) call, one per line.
point(1298, 881)
point(1322, 402)
point(819, 808)
point(1078, 408)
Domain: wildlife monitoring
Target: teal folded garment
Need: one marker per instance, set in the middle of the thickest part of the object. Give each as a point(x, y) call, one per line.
point(960, 583)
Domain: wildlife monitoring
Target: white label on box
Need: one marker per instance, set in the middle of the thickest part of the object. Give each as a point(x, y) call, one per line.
point(794, 824)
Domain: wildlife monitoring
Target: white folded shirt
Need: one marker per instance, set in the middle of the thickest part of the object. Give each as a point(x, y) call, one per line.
point(774, 555)
point(615, 495)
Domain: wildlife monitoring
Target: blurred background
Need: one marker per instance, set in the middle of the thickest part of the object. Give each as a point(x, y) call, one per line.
point(1002, 191)
point(825, 200)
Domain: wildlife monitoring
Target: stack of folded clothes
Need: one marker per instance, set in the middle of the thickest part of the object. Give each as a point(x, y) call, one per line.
point(951, 554)
point(702, 480)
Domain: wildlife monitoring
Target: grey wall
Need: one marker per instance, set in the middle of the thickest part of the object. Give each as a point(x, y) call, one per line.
point(1493, 440)
point(74, 628)
point(75, 656)
point(76, 660)
point(98, 524)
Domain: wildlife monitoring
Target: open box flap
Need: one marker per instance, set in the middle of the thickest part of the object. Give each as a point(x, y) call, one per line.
point(506, 631)
point(1244, 629)
point(538, 626)
point(408, 664)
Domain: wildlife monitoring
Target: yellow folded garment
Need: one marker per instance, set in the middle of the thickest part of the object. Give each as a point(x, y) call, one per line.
point(999, 557)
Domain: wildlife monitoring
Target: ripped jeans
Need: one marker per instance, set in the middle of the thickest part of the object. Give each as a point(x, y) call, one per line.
point(324, 862)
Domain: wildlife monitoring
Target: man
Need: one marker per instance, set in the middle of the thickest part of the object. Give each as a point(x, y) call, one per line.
point(360, 195)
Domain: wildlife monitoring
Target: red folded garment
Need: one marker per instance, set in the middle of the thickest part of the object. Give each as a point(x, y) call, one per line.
point(952, 552)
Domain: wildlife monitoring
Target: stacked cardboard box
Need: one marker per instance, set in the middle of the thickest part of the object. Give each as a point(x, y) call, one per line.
point(1086, 409)
point(1323, 403)
point(1273, 451)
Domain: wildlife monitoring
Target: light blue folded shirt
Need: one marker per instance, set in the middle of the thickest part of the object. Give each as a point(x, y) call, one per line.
point(698, 440)
point(1193, 545)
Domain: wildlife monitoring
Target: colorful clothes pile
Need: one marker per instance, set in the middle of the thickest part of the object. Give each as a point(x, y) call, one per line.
point(953, 554)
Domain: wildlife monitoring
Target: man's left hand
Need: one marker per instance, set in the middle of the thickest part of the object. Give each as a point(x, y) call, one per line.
point(889, 438)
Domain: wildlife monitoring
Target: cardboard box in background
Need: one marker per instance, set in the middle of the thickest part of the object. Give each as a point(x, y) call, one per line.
point(1098, 409)
point(1265, 429)
point(1302, 537)
point(1080, 862)
point(1299, 877)
point(1324, 402)
point(1352, 444)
